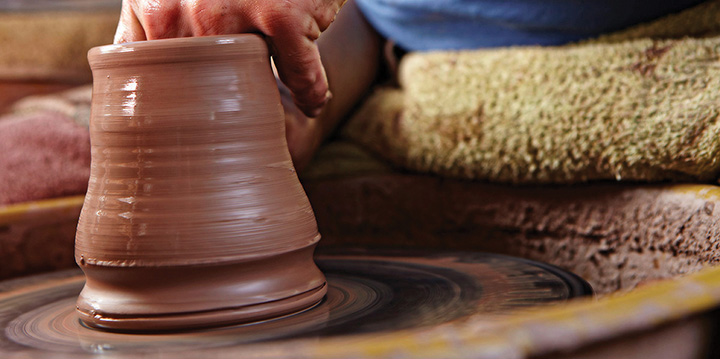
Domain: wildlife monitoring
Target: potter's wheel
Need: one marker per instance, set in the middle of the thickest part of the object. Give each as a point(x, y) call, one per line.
point(368, 294)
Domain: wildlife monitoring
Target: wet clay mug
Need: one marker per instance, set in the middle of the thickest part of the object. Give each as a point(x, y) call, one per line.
point(194, 214)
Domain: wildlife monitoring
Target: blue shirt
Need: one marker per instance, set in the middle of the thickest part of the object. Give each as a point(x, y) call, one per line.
point(465, 24)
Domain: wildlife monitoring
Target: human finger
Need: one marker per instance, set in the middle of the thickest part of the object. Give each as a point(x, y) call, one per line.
point(129, 28)
point(300, 68)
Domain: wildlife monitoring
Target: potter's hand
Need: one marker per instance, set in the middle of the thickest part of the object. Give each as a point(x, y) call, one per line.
point(290, 26)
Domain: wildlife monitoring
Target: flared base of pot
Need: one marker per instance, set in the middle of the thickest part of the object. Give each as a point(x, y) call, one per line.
point(213, 318)
point(189, 297)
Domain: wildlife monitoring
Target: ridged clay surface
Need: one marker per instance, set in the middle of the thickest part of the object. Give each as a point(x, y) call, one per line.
point(191, 174)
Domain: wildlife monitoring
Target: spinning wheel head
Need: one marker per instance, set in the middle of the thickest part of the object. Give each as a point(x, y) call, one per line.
point(368, 294)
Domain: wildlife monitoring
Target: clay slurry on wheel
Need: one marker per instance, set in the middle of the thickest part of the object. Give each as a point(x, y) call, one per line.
point(367, 293)
point(419, 294)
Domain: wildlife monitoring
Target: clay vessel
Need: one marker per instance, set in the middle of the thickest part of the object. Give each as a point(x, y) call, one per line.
point(194, 214)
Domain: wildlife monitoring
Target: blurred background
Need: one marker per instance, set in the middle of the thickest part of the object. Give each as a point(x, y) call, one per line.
point(43, 44)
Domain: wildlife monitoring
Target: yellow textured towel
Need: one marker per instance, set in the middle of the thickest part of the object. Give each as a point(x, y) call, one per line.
point(53, 44)
point(642, 104)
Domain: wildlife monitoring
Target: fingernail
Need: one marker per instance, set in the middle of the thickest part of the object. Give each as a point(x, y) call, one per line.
point(318, 111)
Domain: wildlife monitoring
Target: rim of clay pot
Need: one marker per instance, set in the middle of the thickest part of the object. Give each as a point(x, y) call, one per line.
point(184, 49)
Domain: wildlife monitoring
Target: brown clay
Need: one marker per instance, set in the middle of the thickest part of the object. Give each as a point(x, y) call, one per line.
point(615, 236)
point(194, 215)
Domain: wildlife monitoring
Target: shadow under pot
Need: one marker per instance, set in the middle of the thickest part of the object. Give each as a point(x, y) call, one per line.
point(194, 215)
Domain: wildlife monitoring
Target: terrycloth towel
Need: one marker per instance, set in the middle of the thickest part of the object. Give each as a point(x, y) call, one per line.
point(73, 103)
point(43, 155)
point(53, 44)
point(642, 104)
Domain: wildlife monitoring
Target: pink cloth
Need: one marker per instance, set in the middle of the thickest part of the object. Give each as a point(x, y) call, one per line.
point(42, 155)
